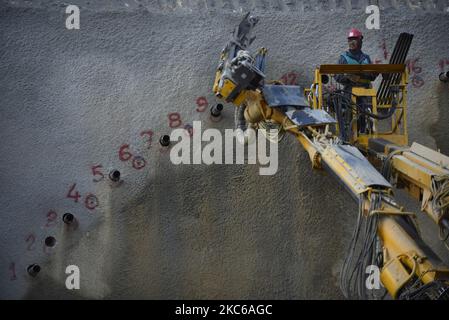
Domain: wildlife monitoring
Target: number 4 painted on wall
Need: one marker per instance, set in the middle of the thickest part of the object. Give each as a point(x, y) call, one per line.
point(75, 196)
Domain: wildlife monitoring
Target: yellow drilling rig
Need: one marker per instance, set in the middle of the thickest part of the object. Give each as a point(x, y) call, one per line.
point(368, 161)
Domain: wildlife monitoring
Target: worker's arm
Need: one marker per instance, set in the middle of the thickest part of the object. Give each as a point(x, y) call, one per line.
point(353, 79)
point(343, 78)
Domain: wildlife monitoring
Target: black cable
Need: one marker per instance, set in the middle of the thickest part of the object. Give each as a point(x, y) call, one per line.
point(363, 251)
point(337, 105)
point(362, 110)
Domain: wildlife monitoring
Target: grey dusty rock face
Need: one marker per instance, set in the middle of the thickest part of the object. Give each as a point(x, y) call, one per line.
point(71, 98)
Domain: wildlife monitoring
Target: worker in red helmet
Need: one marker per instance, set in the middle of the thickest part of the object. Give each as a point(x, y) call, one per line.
point(355, 55)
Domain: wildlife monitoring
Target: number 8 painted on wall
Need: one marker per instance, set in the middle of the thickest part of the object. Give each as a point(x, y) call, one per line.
point(174, 120)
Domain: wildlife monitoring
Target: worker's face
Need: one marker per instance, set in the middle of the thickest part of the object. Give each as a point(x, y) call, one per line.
point(354, 43)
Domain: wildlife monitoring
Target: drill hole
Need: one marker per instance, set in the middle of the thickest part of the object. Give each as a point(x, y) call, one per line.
point(115, 175)
point(33, 269)
point(164, 140)
point(50, 241)
point(68, 218)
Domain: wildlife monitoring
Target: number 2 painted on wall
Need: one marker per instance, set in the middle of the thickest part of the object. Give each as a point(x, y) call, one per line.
point(30, 239)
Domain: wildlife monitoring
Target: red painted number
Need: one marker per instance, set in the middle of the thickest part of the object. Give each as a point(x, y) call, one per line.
point(289, 78)
point(414, 69)
point(51, 218)
point(139, 162)
point(30, 239)
point(96, 172)
point(284, 79)
point(124, 155)
point(148, 133)
point(174, 120)
point(91, 201)
point(384, 49)
point(417, 81)
point(442, 63)
point(412, 66)
point(75, 196)
point(202, 104)
point(12, 268)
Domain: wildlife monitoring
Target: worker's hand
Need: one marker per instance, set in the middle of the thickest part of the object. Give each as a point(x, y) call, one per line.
point(353, 77)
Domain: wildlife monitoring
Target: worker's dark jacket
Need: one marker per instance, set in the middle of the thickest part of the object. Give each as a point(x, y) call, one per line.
point(357, 57)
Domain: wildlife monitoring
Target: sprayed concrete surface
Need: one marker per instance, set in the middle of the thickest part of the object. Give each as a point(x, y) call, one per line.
point(70, 99)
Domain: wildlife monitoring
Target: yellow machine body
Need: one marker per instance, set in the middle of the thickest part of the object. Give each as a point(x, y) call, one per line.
point(407, 260)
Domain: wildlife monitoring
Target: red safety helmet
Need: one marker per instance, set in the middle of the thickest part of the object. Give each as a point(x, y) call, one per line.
point(355, 33)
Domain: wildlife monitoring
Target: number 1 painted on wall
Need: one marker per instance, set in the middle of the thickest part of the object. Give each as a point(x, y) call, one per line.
point(12, 268)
